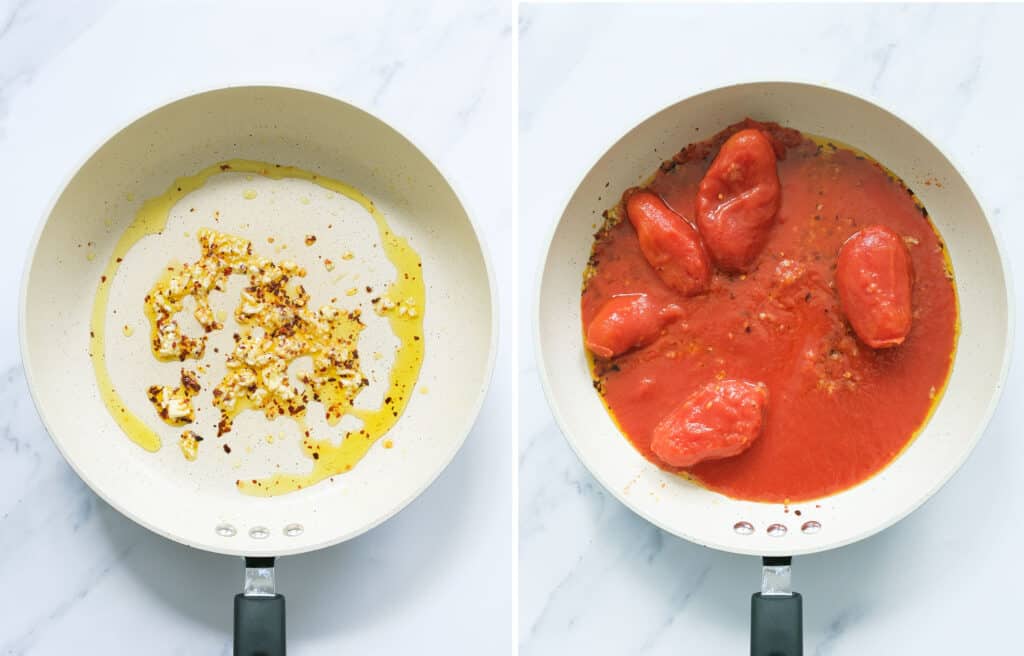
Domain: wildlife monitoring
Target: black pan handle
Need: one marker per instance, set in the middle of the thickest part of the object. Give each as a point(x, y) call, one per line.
point(259, 612)
point(776, 613)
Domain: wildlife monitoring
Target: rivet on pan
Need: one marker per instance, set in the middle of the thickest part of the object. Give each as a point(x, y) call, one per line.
point(293, 530)
point(777, 530)
point(810, 528)
point(259, 532)
point(743, 528)
point(225, 530)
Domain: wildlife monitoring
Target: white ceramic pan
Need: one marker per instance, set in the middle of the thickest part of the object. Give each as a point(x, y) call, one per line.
point(197, 503)
point(696, 514)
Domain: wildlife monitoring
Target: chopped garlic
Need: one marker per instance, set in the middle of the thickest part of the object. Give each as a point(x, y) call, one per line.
point(174, 404)
point(189, 445)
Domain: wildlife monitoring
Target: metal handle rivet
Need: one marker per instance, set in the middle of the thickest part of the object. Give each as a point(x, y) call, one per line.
point(743, 528)
point(259, 532)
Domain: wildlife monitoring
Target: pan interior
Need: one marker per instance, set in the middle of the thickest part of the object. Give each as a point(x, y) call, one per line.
point(975, 383)
point(348, 271)
point(329, 234)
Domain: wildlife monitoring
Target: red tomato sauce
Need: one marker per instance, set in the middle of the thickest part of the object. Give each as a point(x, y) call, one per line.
point(839, 411)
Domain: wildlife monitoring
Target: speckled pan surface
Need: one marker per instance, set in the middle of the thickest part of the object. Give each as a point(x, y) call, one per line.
point(976, 382)
point(186, 501)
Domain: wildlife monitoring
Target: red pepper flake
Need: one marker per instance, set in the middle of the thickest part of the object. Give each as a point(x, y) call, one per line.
point(227, 449)
point(103, 279)
point(310, 240)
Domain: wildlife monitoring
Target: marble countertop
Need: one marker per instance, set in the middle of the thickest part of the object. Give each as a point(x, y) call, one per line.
point(597, 579)
point(80, 578)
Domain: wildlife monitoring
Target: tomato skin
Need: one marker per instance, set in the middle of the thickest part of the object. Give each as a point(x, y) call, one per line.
point(669, 243)
point(720, 420)
point(625, 322)
point(737, 200)
point(875, 278)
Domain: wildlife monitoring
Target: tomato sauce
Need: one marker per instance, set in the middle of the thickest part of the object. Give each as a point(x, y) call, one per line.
point(839, 411)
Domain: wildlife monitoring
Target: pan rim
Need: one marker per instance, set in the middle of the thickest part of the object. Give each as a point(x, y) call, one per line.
point(890, 519)
point(461, 432)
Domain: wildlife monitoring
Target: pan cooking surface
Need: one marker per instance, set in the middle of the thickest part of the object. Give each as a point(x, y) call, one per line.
point(225, 345)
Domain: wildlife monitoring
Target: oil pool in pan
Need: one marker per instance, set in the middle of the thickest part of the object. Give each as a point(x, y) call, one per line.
point(407, 288)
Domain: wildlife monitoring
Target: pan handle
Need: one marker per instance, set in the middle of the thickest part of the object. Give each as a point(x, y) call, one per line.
point(776, 613)
point(259, 612)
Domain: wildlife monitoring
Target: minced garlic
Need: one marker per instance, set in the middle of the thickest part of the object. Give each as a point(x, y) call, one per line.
point(174, 404)
point(189, 445)
point(276, 327)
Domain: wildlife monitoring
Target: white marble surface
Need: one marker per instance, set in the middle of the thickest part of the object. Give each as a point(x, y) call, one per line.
point(78, 577)
point(595, 578)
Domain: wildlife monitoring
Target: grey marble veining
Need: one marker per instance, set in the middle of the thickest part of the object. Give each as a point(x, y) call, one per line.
point(78, 577)
point(597, 579)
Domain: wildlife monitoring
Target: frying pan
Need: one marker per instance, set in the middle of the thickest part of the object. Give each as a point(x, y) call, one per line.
point(197, 503)
point(768, 530)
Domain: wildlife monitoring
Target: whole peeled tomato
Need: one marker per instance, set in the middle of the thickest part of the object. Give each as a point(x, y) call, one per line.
point(875, 278)
point(626, 321)
point(669, 244)
point(720, 420)
point(737, 200)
